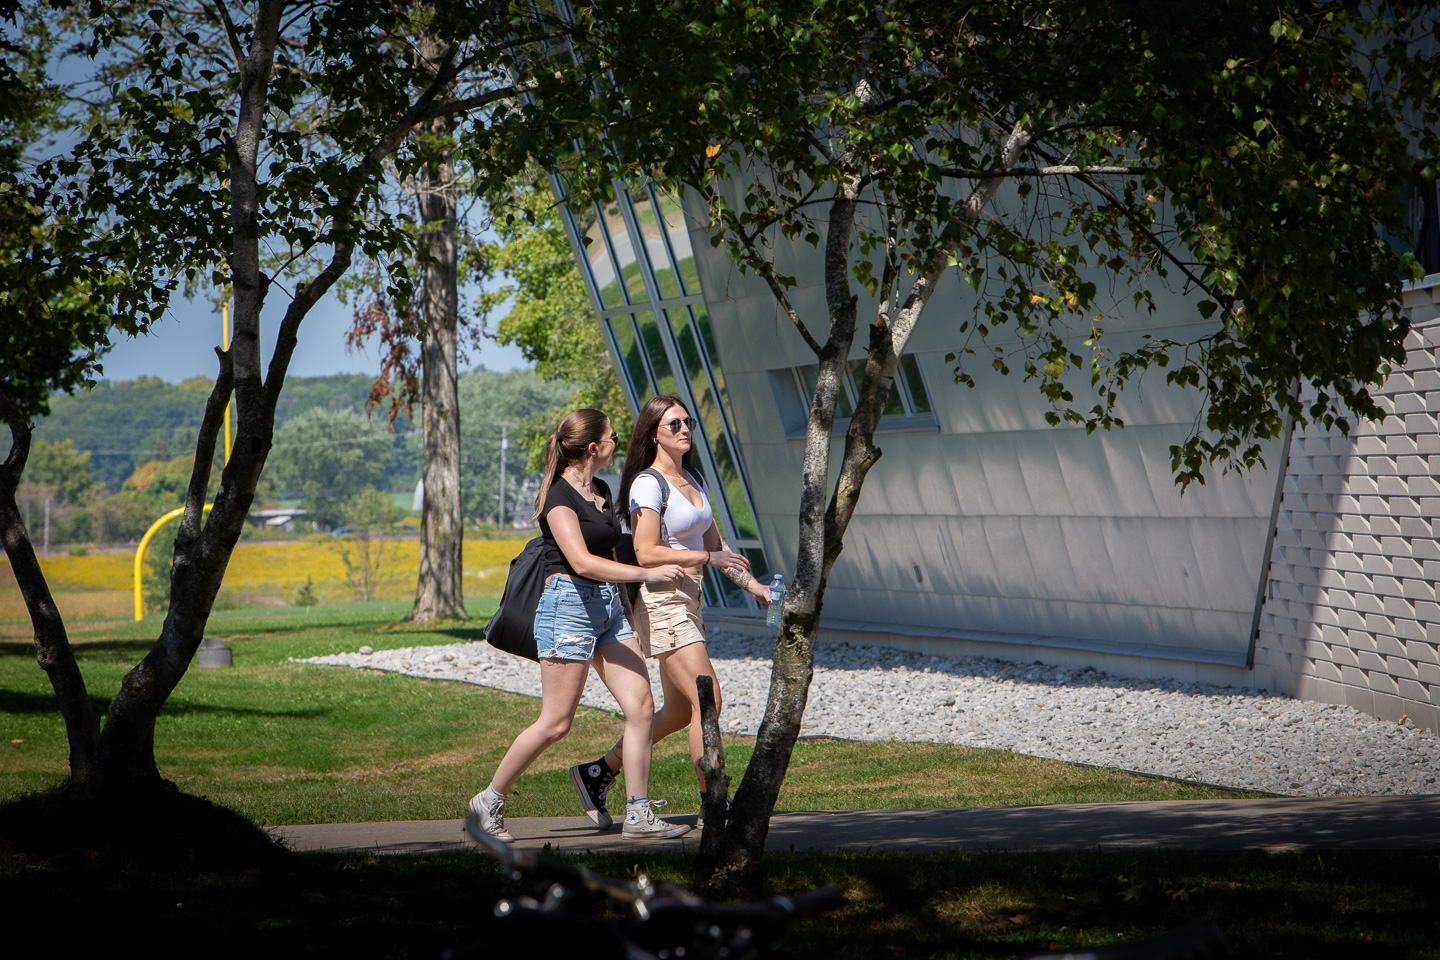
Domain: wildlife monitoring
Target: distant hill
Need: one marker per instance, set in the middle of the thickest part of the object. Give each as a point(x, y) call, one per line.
point(132, 422)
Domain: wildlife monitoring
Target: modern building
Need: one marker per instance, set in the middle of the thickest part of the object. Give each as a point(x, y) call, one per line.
point(984, 530)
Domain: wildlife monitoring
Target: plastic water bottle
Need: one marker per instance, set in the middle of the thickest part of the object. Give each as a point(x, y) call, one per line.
point(777, 594)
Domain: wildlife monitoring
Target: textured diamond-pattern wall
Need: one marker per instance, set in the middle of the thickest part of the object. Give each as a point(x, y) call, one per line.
point(1352, 613)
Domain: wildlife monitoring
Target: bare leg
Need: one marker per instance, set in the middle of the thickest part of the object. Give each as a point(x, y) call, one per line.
point(561, 682)
point(622, 669)
point(678, 670)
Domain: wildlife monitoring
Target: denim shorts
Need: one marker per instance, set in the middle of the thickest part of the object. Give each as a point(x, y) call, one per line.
point(576, 617)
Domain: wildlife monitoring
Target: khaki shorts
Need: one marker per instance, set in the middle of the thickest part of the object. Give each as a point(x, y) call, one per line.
point(667, 616)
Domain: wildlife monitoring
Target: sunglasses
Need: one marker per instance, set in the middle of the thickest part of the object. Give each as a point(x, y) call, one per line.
point(688, 423)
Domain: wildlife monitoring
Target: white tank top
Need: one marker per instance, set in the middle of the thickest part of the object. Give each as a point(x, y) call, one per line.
point(685, 524)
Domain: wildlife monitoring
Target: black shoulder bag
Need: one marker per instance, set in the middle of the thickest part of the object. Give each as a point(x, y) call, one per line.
point(512, 628)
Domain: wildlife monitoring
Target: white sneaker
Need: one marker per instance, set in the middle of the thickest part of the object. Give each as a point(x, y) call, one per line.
point(489, 806)
point(642, 824)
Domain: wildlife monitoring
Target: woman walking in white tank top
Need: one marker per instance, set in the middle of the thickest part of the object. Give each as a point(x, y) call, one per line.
point(667, 616)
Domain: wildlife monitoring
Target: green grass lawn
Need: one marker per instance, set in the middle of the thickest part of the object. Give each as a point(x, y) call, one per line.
point(286, 742)
point(283, 742)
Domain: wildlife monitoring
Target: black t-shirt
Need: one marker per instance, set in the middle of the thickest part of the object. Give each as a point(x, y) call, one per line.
point(599, 526)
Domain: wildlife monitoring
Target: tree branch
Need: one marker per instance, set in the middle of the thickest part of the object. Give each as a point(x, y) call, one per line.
point(712, 768)
point(450, 108)
point(766, 270)
point(1058, 170)
point(231, 33)
point(192, 519)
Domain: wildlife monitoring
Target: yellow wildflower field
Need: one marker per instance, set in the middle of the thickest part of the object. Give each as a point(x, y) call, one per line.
point(262, 572)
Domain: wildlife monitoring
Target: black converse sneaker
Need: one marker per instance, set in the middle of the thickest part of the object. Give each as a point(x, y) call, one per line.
point(593, 782)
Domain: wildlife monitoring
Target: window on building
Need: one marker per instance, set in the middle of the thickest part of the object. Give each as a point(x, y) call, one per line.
point(908, 397)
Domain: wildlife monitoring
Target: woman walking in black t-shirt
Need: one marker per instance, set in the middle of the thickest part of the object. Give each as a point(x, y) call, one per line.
point(580, 624)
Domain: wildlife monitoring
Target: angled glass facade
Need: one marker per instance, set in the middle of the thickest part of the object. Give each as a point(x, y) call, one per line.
point(634, 251)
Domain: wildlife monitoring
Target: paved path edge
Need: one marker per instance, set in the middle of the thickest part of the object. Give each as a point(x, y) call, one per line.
point(1406, 823)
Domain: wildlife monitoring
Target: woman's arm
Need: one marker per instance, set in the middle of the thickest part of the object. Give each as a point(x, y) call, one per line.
point(650, 551)
point(565, 528)
point(740, 574)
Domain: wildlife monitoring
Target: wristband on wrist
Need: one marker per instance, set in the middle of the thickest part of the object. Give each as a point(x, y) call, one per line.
point(707, 558)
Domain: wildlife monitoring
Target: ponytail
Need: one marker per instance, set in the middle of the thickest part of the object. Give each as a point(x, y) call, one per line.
point(552, 470)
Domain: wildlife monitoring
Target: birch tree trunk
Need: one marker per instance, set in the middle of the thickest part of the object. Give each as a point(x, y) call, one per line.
point(737, 870)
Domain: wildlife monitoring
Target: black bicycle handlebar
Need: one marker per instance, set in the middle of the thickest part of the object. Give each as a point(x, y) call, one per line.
point(664, 915)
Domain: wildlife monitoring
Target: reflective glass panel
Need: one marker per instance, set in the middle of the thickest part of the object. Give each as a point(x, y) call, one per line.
point(597, 253)
point(695, 369)
point(915, 386)
point(893, 404)
point(730, 595)
point(625, 253)
point(654, 243)
point(630, 357)
point(712, 599)
point(758, 567)
point(674, 218)
point(655, 351)
point(711, 420)
point(734, 487)
point(707, 340)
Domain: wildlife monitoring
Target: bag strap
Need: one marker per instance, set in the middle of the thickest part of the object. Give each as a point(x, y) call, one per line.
point(665, 494)
point(664, 499)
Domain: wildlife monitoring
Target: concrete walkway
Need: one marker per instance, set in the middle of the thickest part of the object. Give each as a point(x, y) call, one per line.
point(1275, 825)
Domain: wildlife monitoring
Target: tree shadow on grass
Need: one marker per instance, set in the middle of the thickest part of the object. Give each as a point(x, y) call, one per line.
point(138, 648)
point(18, 703)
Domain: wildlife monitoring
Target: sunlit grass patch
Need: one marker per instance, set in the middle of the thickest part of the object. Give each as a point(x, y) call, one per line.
point(286, 742)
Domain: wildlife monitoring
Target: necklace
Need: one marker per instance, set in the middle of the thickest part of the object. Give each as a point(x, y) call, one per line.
point(587, 489)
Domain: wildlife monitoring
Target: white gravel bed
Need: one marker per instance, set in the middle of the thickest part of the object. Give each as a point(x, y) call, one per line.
point(1218, 735)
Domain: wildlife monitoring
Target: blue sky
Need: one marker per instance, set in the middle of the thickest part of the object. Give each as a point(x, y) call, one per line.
point(182, 345)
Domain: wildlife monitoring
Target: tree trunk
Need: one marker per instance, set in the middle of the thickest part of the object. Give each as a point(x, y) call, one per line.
point(52, 645)
point(125, 755)
point(124, 752)
point(717, 784)
point(738, 869)
point(440, 591)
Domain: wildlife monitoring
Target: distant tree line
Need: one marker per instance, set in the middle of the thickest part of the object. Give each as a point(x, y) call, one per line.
point(108, 462)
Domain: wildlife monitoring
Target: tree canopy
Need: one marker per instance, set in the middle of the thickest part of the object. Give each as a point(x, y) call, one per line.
point(547, 314)
point(326, 457)
point(194, 174)
point(1242, 153)
point(1062, 160)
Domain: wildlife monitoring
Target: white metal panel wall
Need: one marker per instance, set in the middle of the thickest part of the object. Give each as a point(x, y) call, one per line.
point(1352, 614)
point(1019, 530)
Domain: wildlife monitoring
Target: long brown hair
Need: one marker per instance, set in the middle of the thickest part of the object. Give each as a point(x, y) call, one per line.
point(642, 445)
point(568, 445)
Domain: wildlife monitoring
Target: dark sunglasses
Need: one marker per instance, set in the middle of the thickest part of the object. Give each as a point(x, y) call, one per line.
point(688, 423)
